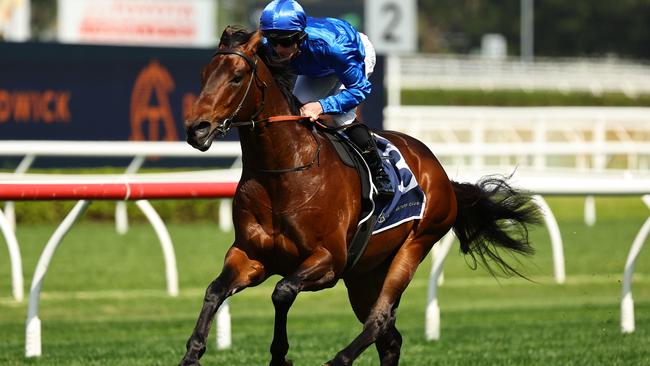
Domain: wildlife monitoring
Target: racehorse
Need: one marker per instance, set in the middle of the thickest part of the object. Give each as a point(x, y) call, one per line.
point(297, 206)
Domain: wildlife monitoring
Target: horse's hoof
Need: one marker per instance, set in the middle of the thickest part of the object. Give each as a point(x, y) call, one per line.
point(282, 363)
point(189, 363)
point(336, 362)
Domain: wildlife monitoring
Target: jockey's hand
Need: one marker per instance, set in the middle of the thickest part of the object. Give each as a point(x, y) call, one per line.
point(312, 110)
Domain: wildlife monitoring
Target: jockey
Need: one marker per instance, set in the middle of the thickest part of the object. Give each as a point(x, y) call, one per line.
point(333, 62)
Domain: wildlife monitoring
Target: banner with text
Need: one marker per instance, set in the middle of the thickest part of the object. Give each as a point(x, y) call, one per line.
point(75, 92)
point(187, 23)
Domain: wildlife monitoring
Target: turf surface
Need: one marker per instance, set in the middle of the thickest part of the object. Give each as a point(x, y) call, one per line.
point(103, 302)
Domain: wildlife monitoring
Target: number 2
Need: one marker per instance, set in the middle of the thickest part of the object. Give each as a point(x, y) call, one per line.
point(395, 14)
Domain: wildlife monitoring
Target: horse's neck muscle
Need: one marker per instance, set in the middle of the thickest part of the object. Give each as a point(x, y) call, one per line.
point(276, 145)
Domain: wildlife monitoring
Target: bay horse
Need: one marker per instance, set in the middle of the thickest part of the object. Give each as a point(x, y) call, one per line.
point(297, 206)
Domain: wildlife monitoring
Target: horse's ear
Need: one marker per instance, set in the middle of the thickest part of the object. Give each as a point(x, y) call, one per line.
point(254, 43)
point(234, 36)
point(226, 37)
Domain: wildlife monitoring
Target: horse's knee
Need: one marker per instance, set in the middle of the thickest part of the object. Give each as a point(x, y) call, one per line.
point(379, 322)
point(284, 294)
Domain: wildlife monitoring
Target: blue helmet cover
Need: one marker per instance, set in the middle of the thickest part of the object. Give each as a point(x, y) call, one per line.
point(284, 15)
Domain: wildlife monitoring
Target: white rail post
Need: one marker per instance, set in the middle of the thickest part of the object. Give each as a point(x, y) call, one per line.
point(33, 324)
point(23, 166)
point(478, 140)
point(394, 80)
point(556, 239)
point(432, 314)
point(539, 139)
point(121, 214)
point(225, 205)
point(225, 214)
point(627, 303)
point(599, 161)
point(223, 326)
point(436, 252)
point(15, 258)
point(590, 211)
point(159, 227)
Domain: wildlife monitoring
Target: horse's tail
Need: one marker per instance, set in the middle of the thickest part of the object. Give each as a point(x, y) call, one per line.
point(492, 216)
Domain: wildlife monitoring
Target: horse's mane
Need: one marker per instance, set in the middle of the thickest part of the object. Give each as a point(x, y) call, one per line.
point(234, 36)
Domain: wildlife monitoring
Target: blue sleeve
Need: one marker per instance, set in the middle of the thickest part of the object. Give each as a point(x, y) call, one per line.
point(352, 75)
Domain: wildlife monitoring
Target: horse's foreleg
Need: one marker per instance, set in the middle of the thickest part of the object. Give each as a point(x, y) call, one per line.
point(315, 273)
point(389, 346)
point(381, 318)
point(238, 272)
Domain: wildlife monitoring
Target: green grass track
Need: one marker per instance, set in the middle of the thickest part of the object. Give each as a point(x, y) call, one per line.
point(104, 301)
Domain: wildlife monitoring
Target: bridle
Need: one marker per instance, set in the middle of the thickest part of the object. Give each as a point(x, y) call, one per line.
point(229, 122)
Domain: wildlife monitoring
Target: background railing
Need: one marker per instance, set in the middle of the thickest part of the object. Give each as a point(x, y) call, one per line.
point(577, 138)
point(597, 76)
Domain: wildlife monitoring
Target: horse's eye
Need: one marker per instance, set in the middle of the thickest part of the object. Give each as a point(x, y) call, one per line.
point(237, 79)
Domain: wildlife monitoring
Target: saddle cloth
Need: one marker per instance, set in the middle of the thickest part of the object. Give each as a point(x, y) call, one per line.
point(407, 204)
point(409, 200)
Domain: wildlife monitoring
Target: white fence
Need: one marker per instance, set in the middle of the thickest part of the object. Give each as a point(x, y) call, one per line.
point(86, 188)
point(471, 72)
point(138, 150)
point(580, 138)
point(31, 150)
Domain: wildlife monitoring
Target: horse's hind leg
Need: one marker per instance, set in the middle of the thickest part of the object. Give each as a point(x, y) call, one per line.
point(381, 317)
point(363, 293)
point(315, 273)
point(238, 272)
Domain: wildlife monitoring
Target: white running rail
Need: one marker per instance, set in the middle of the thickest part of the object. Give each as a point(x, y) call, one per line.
point(583, 138)
point(138, 150)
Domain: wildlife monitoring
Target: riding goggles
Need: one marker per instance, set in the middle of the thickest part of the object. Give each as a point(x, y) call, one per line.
point(282, 39)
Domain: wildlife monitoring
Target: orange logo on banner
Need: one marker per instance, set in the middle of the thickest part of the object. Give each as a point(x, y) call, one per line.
point(35, 106)
point(156, 81)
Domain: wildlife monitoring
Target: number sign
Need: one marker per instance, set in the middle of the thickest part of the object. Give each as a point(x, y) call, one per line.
point(391, 25)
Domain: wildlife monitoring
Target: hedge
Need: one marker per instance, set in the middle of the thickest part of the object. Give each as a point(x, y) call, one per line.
point(512, 98)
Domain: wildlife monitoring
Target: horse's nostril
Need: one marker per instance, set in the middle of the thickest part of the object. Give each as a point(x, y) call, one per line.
point(202, 129)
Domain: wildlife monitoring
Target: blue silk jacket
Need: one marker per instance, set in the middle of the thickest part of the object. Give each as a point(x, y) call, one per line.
point(333, 46)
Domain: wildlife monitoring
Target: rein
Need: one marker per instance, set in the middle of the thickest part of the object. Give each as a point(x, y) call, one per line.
point(273, 119)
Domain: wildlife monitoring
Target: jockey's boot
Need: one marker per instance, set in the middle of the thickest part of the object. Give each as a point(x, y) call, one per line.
point(360, 136)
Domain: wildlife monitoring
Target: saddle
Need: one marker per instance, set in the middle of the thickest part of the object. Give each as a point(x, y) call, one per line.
point(407, 203)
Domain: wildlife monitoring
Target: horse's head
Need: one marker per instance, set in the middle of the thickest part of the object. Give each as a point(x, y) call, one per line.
point(230, 89)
